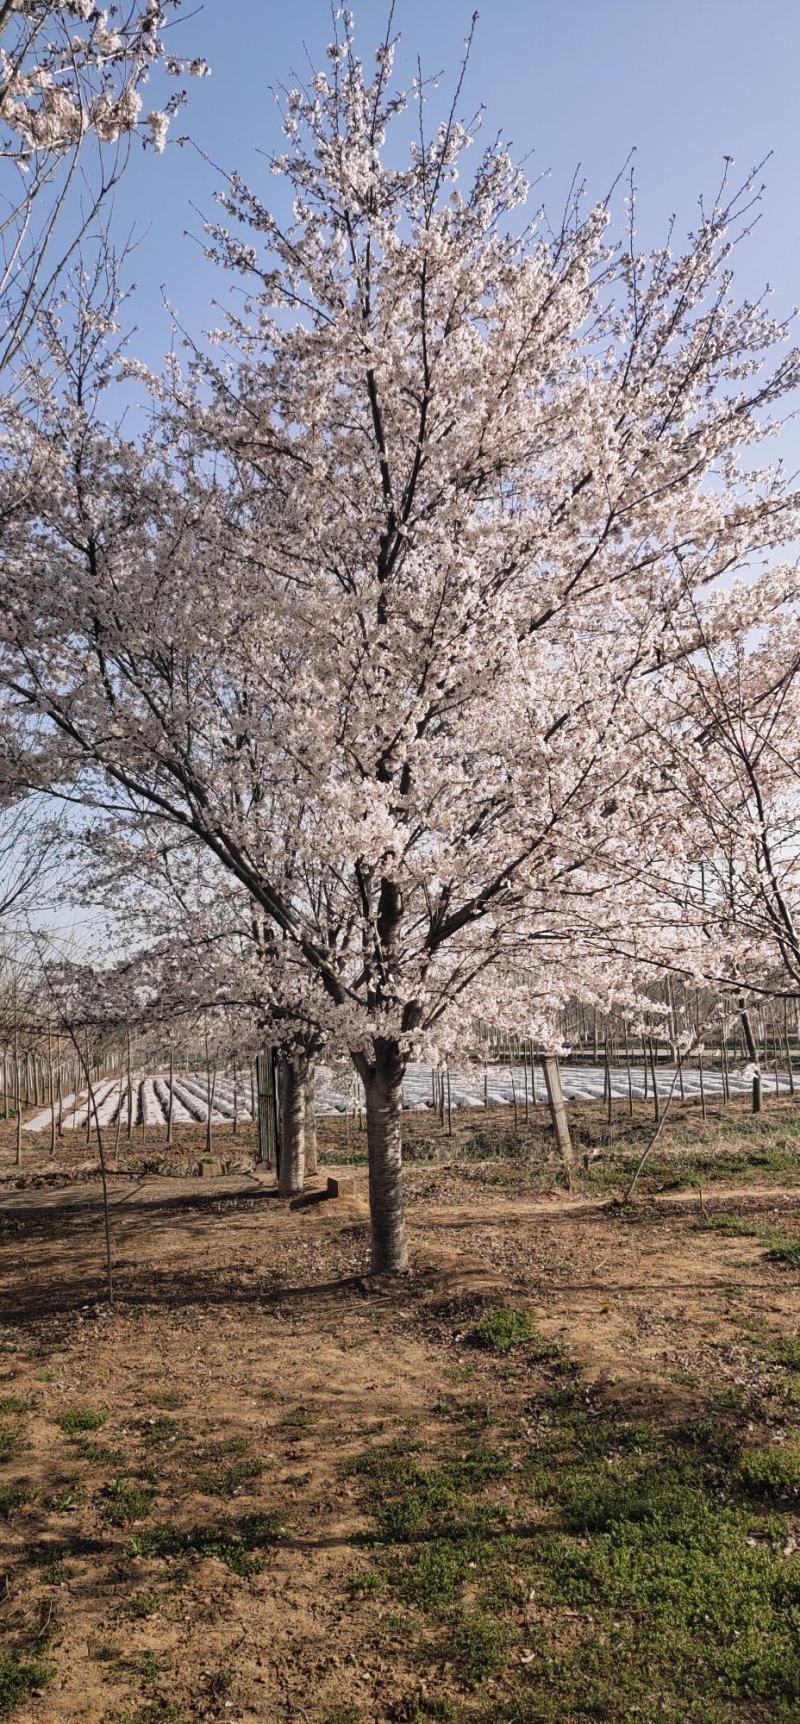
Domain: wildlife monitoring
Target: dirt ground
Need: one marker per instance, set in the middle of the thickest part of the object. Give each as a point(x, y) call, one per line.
point(209, 1506)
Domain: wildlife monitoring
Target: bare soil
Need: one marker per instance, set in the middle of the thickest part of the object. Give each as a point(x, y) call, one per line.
point(249, 1364)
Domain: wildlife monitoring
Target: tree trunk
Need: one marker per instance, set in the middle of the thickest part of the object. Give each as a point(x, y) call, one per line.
point(383, 1085)
point(18, 1102)
point(311, 1122)
point(293, 1125)
point(558, 1114)
point(752, 1053)
point(264, 1107)
point(170, 1100)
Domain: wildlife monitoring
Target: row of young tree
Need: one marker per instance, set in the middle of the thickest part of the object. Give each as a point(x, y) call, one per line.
point(434, 652)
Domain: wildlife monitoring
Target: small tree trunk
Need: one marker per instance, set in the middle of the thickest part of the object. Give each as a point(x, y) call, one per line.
point(293, 1125)
point(788, 1049)
point(119, 1119)
point(169, 1103)
point(52, 1094)
point(656, 1106)
point(18, 1101)
point(726, 1092)
point(311, 1121)
point(264, 1107)
point(558, 1114)
point(211, 1084)
point(383, 1084)
point(752, 1054)
point(88, 1096)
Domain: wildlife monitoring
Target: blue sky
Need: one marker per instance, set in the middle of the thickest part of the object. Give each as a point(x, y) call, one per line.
point(577, 81)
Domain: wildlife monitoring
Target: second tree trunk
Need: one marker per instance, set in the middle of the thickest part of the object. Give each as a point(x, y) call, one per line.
point(293, 1126)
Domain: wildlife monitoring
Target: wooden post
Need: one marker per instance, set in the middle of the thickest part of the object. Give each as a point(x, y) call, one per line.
point(726, 1092)
point(656, 1107)
point(558, 1114)
point(211, 1084)
point(312, 1165)
point(788, 1049)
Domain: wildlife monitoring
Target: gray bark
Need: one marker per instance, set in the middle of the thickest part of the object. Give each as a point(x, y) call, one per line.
point(558, 1114)
point(752, 1053)
point(383, 1082)
point(293, 1125)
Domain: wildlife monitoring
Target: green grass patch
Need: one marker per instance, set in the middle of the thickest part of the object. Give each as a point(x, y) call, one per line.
point(478, 1646)
point(735, 1226)
point(15, 1404)
point(127, 1500)
point(770, 1473)
point(503, 1329)
point(785, 1352)
point(232, 1543)
point(655, 1567)
point(228, 1481)
point(296, 1419)
point(409, 1500)
point(12, 1498)
point(163, 1429)
point(785, 1251)
point(68, 1497)
point(75, 1420)
point(20, 1677)
point(366, 1584)
point(11, 1445)
point(141, 1605)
